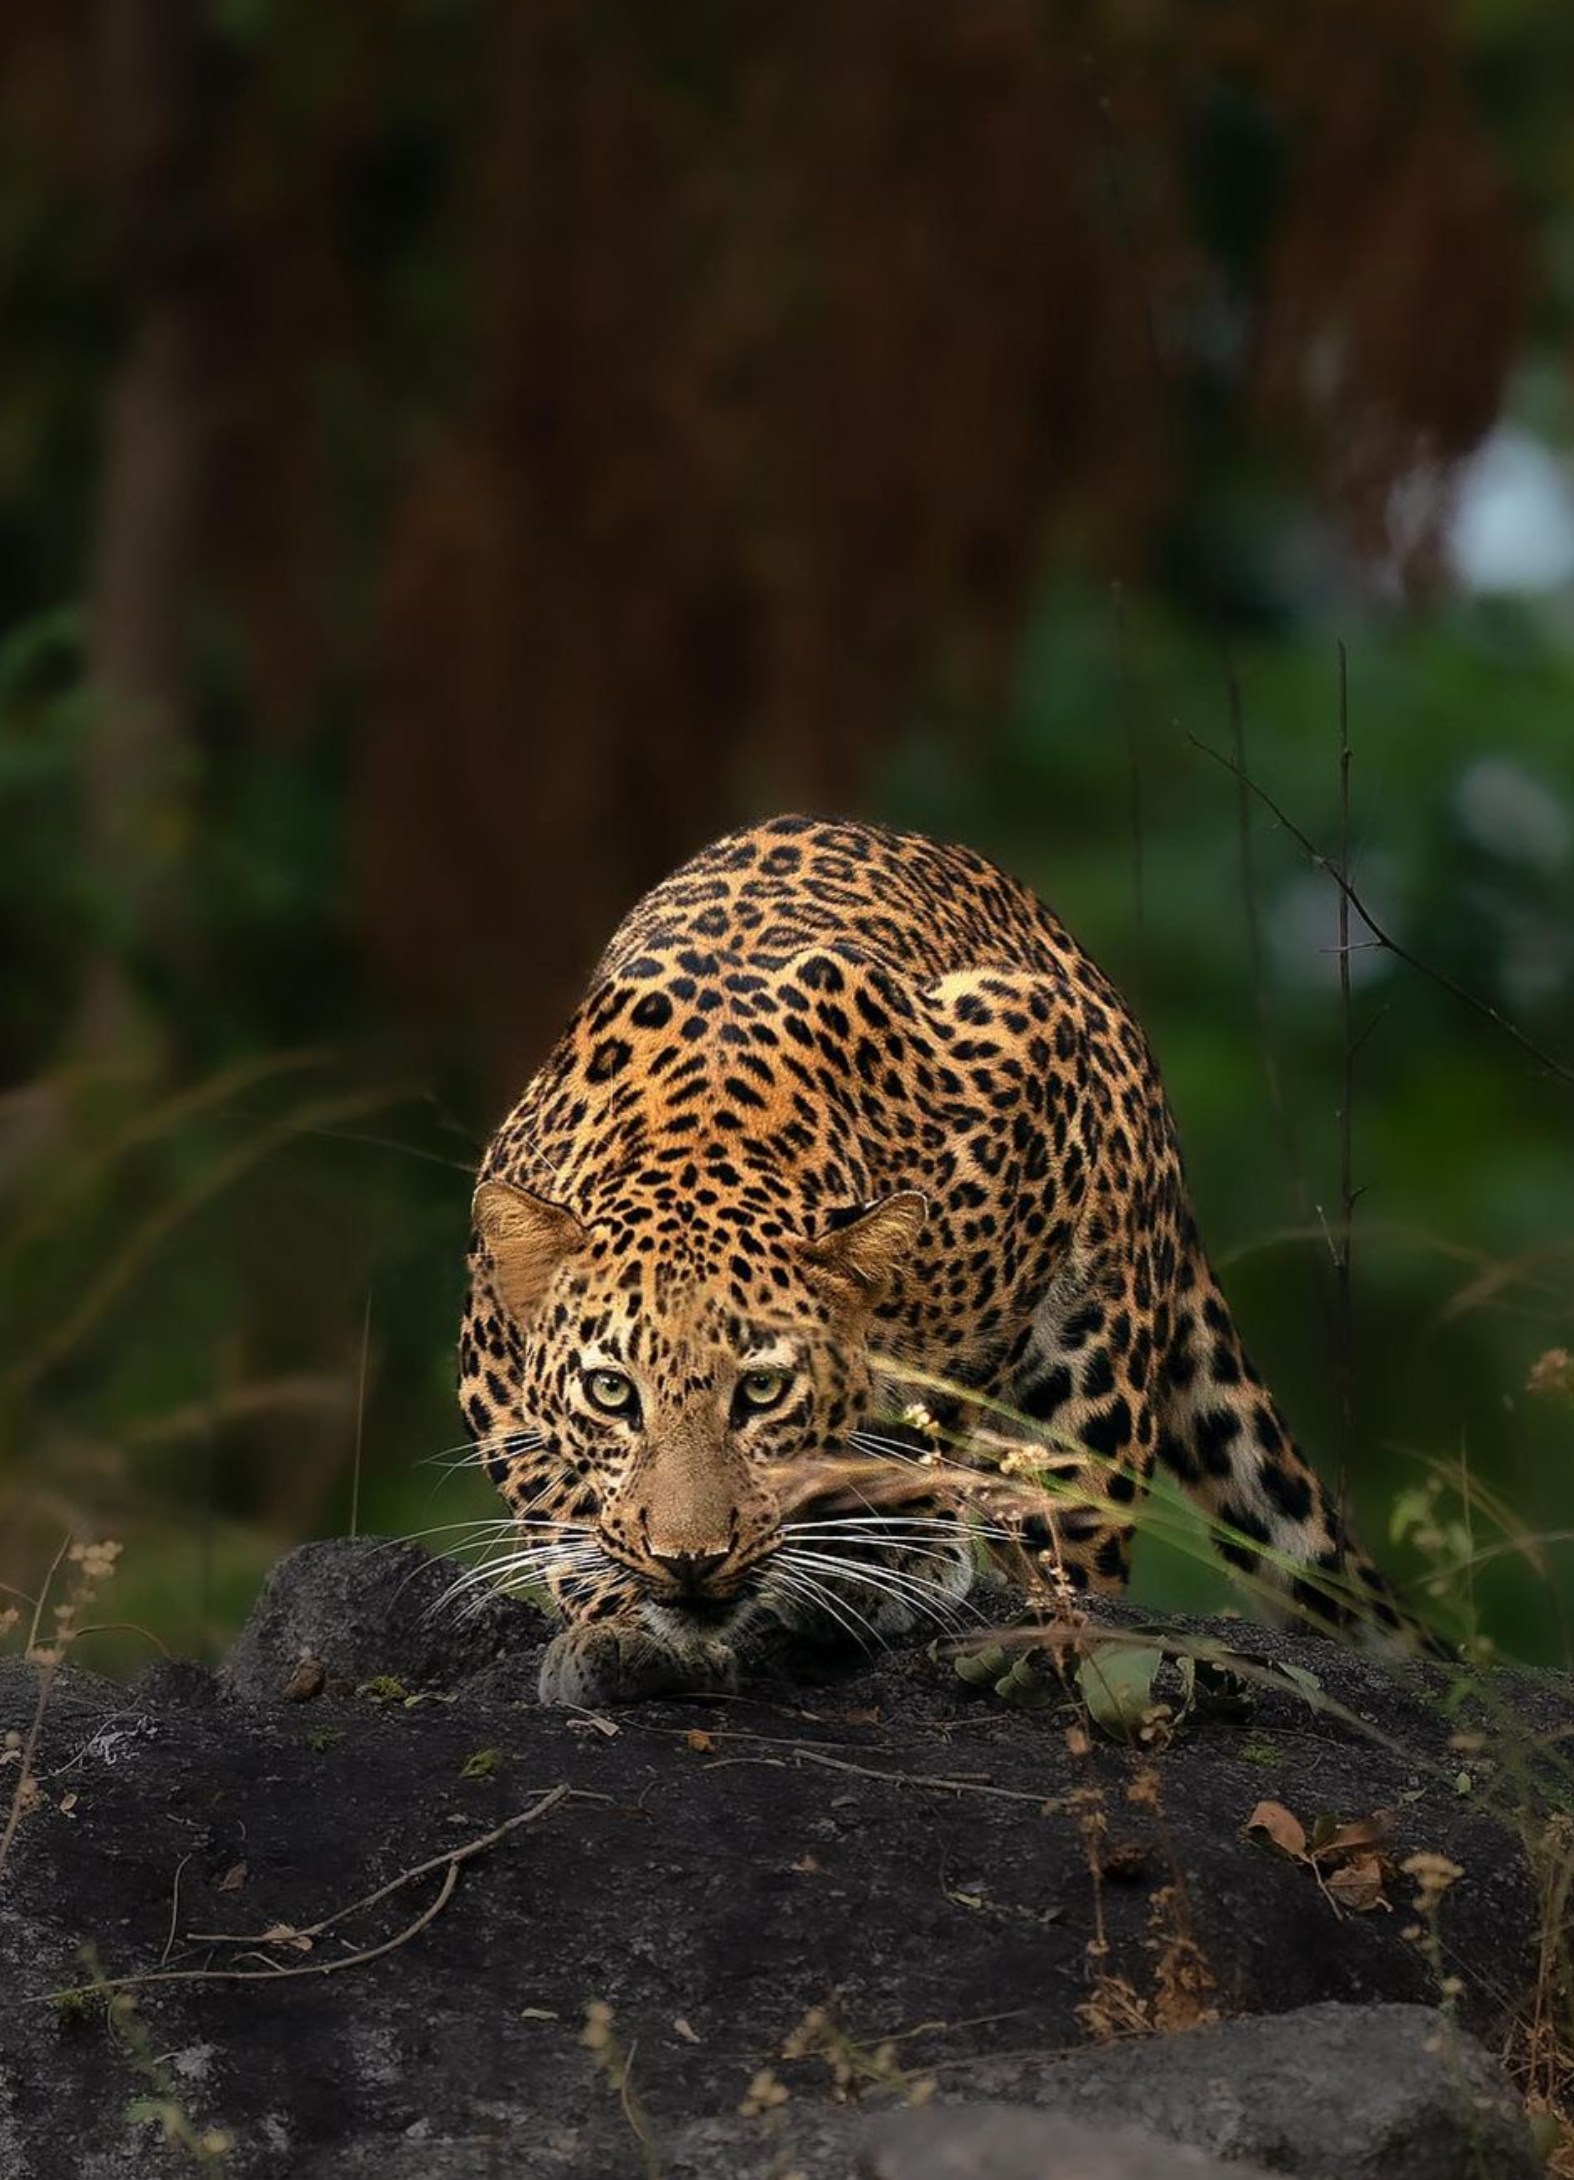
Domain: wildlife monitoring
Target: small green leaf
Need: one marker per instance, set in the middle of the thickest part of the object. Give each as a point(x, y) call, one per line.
point(384, 1688)
point(1117, 1687)
point(481, 1765)
point(980, 1668)
point(1024, 1687)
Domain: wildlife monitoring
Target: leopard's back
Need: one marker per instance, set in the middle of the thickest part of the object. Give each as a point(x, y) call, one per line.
point(916, 907)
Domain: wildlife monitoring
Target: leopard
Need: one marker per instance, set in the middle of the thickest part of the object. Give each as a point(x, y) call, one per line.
point(850, 1160)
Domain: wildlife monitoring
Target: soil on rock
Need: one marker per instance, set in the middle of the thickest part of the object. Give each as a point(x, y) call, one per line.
point(887, 1872)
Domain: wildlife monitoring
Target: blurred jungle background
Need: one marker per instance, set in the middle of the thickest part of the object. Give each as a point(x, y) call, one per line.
point(457, 456)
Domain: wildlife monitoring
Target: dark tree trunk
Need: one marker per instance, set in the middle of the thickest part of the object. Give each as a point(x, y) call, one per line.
point(138, 776)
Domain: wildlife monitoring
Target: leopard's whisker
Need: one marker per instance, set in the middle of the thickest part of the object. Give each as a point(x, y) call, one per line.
point(476, 1452)
point(909, 1590)
point(496, 1526)
point(497, 1541)
point(826, 1591)
point(538, 1561)
point(798, 1583)
point(872, 1528)
point(468, 1601)
point(534, 1564)
point(505, 1564)
point(953, 1522)
point(942, 1544)
point(568, 1583)
point(894, 1581)
point(859, 1570)
point(910, 1547)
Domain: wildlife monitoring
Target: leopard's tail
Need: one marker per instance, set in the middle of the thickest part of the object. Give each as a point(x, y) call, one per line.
point(1272, 1518)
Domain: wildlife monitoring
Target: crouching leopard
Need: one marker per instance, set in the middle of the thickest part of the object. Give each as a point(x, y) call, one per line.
point(850, 1153)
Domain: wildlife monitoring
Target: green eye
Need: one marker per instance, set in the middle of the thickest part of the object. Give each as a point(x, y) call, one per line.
point(759, 1389)
point(610, 1390)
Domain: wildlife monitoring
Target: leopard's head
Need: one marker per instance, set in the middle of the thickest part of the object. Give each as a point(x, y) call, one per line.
point(665, 1362)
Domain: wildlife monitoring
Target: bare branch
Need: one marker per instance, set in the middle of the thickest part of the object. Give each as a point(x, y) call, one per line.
point(1385, 939)
point(1344, 1300)
point(1130, 707)
point(1267, 1030)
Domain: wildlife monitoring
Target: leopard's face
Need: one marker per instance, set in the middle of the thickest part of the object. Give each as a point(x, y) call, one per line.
point(666, 1392)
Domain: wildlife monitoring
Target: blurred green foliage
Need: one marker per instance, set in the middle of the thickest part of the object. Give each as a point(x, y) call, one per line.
point(231, 1233)
point(188, 1276)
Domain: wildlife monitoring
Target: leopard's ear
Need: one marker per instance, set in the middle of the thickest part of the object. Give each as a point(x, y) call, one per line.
point(866, 1252)
point(527, 1238)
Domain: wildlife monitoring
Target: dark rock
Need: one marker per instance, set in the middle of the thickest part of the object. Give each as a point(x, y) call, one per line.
point(175, 1681)
point(338, 1614)
point(892, 1848)
point(1001, 2142)
point(73, 1694)
point(1334, 2092)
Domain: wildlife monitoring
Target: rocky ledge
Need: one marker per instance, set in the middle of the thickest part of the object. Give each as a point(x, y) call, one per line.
point(357, 1905)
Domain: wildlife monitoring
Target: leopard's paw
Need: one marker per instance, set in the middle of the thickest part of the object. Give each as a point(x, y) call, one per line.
point(591, 1665)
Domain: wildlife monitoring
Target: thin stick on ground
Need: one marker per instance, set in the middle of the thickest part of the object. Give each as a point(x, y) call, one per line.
point(926, 1779)
point(174, 1910)
point(449, 1861)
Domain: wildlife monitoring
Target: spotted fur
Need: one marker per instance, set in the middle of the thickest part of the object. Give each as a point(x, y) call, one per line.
point(851, 1108)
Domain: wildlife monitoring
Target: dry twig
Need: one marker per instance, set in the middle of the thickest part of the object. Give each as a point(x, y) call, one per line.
point(449, 1861)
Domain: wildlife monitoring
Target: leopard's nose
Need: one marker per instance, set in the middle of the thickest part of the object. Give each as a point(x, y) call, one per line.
point(690, 1570)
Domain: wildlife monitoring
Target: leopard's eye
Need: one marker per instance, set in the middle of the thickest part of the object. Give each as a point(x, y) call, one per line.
point(761, 1389)
point(610, 1391)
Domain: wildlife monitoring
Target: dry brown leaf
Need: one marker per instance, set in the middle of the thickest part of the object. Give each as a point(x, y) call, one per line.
point(234, 1877)
point(1274, 1823)
point(1373, 1831)
point(686, 2030)
point(1358, 1885)
point(696, 1738)
point(287, 1935)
